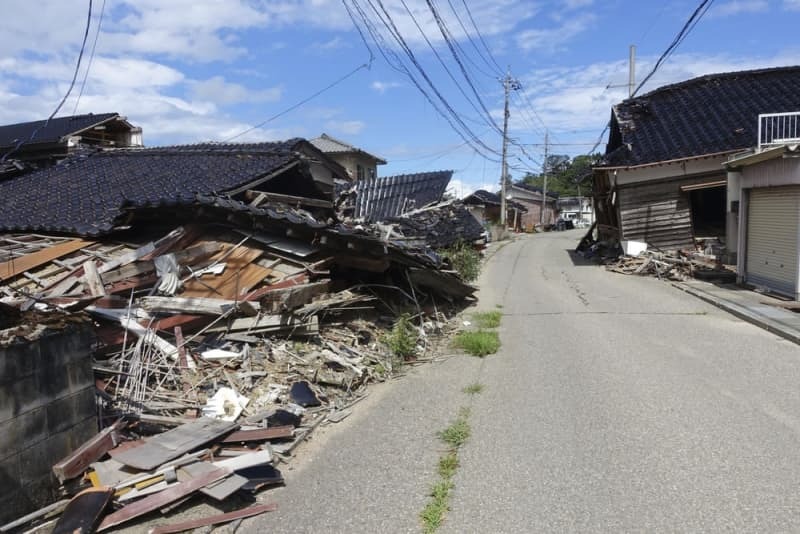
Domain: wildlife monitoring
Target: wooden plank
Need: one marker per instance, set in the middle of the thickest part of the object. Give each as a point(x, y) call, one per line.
point(161, 499)
point(289, 298)
point(196, 305)
point(215, 519)
point(92, 279)
point(92, 450)
point(162, 448)
point(260, 434)
point(239, 276)
point(287, 199)
point(295, 280)
point(265, 323)
point(12, 268)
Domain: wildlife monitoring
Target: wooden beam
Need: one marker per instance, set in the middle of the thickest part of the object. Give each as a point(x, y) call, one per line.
point(288, 199)
point(260, 434)
point(76, 463)
point(196, 305)
point(17, 266)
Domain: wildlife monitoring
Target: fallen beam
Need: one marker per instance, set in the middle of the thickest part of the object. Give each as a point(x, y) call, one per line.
point(76, 463)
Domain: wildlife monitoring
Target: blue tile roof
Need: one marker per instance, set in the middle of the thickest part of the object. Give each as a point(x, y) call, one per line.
point(706, 115)
point(390, 196)
point(87, 194)
point(57, 128)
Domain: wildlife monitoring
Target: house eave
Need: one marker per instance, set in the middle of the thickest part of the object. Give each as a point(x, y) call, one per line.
point(666, 162)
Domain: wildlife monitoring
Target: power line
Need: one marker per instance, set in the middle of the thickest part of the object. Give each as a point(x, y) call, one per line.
point(496, 71)
point(685, 30)
point(297, 105)
point(480, 36)
point(69, 90)
point(91, 57)
point(439, 103)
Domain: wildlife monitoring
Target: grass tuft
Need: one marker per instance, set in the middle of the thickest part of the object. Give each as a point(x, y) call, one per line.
point(457, 433)
point(479, 342)
point(489, 319)
point(473, 389)
point(402, 340)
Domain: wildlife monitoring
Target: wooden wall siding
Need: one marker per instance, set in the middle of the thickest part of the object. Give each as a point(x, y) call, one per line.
point(659, 213)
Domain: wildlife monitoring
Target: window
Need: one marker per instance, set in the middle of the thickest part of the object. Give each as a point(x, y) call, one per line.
point(360, 172)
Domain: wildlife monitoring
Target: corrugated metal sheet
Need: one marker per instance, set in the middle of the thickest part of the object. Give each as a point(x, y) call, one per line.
point(658, 214)
point(391, 196)
point(772, 227)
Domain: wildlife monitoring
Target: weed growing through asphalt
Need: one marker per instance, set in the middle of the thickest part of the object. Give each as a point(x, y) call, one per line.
point(455, 435)
point(473, 389)
point(479, 342)
point(489, 319)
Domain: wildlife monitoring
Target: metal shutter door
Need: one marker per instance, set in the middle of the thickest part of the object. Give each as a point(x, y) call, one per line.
point(772, 228)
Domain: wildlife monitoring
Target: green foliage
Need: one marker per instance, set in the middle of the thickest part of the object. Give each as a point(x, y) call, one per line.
point(565, 176)
point(464, 259)
point(433, 514)
point(479, 342)
point(473, 389)
point(448, 465)
point(490, 319)
point(402, 340)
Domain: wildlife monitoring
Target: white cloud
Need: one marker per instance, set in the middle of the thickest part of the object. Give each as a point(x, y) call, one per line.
point(345, 127)
point(554, 38)
point(218, 90)
point(791, 5)
point(382, 87)
point(460, 188)
point(736, 7)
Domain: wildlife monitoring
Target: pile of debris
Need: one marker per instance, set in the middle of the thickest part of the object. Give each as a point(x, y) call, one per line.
point(223, 342)
point(676, 266)
point(227, 339)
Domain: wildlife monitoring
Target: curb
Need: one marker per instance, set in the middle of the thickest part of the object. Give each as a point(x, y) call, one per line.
point(743, 313)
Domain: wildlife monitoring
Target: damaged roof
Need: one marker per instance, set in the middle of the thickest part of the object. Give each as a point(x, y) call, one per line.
point(707, 115)
point(481, 196)
point(89, 193)
point(391, 196)
point(331, 145)
point(55, 130)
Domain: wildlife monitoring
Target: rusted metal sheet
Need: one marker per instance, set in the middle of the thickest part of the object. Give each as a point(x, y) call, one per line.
point(163, 498)
point(84, 511)
point(173, 443)
point(260, 434)
point(215, 519)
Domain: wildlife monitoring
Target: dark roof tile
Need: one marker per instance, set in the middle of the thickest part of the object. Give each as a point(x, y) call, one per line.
point(706, 115)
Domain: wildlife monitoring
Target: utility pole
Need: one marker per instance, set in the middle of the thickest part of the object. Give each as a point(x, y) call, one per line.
point(544, 176)
point(508, 84)
point(631, 71)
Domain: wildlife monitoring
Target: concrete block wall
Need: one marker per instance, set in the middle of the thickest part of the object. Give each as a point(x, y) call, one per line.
point(47, 410)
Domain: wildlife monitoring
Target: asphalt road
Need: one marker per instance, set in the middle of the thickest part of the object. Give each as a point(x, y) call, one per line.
point(616, 404)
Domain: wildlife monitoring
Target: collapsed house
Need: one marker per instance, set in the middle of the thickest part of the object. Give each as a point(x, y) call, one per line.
point(359, 164)
point(662, 179)
point(486, 206)
point(33, 145)
point(227, 302)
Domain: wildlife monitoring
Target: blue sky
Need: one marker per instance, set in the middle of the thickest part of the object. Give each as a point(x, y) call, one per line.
point(197, 70)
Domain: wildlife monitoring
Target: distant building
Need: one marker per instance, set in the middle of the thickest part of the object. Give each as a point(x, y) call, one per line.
point(575, 209)
point(30, 145)
point(530, 197)
point(360, 164)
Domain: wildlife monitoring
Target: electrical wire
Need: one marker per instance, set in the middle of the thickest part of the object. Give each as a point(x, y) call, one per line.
point(91, 57)
point(480, 36)
point(298, 104)
point(66, 95)
point(687, 28)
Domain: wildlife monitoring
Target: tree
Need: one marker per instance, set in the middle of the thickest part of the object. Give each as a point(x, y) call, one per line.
point(565, 176)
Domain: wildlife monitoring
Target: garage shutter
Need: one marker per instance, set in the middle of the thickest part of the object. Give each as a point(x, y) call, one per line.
point(772, 228)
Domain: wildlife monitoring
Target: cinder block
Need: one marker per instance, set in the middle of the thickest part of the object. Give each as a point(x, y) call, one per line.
point(80, 375)
point(21, 396)
point(18, 361)
point(66, 412)
point(23, 431)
